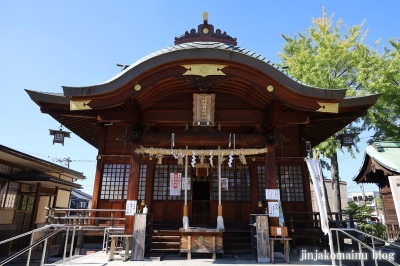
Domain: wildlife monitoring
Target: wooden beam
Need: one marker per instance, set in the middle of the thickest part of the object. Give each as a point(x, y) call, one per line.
point(67, 113)
point(186, 116)
point(115, 117)
point(97, 177)
point(35, 206)
point(45, 191)
point(127, 112)
point(55, 198)
point(344, 116)
point(198, 139)
point(288, 118)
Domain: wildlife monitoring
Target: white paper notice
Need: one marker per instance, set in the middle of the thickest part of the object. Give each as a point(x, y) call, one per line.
point(272, 194)
point(130, 207)
point(187, 183)
point(273, 209)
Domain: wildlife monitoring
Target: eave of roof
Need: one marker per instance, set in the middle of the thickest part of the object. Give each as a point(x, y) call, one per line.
point(34, 176)
point(73, 173)
point(80, 194)
point(204, 50)
point(385, 153)
point(57, 98)
point(365, 100)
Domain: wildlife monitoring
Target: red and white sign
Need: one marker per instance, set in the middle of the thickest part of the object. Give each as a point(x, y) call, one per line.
point(175, 184)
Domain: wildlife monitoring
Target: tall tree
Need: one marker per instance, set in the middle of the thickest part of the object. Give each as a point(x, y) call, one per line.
point(328, 56)
point(384, 118)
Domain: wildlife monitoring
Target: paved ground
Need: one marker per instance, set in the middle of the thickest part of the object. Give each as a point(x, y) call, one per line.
point(300, 257)
point(305, 255)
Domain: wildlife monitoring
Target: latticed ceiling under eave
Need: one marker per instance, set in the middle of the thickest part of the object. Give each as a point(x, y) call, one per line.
point(319, 132)
point(85, 128)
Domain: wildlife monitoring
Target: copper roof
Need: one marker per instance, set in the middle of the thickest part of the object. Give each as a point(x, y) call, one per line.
point(247, 76)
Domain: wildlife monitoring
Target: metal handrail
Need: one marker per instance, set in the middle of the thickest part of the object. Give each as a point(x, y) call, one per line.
point(29, 248)
point(25, 234)
point(86, 210)
point(83, 216)
point(360, 243)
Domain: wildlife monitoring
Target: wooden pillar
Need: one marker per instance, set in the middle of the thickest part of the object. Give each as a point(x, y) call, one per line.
point(270, 175)
point(133, 187)
point(35, 206)
point(54, 205)
point(149, 183)
point(254, 187)
point(97, 177)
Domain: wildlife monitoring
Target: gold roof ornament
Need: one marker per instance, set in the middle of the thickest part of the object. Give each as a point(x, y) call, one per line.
point(79, 105)
point(205, 17)
point(204, 70)
point(328, 107)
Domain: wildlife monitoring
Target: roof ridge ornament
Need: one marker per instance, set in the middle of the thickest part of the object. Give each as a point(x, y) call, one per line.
point(205, 33)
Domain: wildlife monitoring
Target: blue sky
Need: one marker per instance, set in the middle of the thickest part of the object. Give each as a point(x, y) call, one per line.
point(49, 44)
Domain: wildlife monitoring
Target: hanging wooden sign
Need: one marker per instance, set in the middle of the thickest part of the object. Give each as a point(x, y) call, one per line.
point(203, 109)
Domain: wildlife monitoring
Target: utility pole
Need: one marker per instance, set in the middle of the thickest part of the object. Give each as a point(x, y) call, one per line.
point(363, 192)
point(64, 161)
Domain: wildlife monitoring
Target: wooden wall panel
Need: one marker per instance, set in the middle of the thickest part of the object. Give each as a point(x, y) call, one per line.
point(389, 209)
point(118, 206)
point(292, 146)
point(229, 211)
point(103, 204)
point(114, 132)
point(117, 148)
point(245, 211)
point(174, 212)
point(158, 209)
point(214, 211)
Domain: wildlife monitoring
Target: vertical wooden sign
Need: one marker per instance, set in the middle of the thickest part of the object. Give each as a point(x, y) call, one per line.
point(203, 109)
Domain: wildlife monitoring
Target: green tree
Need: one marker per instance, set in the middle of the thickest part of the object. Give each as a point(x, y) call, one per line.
point(385, 115)
point(362, 214)
point(378, 202)
point(327, 56)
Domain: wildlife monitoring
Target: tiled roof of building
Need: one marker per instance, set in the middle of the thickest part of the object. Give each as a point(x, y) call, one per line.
point(387, 153)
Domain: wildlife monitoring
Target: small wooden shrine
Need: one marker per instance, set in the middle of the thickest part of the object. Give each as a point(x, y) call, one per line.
point(205, 108)
point(380, 163)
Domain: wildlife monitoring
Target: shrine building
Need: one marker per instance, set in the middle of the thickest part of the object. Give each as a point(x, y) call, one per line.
point(227, 118)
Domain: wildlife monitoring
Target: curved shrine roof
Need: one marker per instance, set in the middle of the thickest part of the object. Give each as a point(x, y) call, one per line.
point(387, 153)
point(204, 50)
point(379, 156)
point(245, 83)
